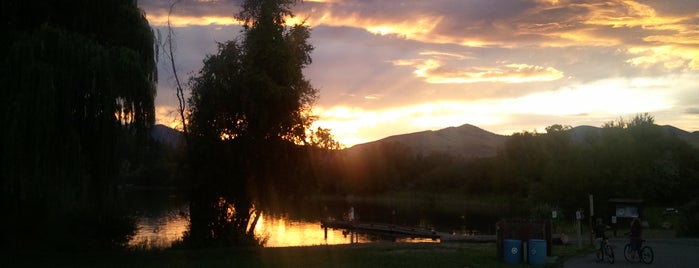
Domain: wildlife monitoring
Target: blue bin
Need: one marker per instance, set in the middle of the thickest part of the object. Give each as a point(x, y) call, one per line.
point(513, 251)
point(536, 252)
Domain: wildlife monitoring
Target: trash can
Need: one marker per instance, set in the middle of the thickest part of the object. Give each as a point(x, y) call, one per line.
point(512, 250)
point(536, 253)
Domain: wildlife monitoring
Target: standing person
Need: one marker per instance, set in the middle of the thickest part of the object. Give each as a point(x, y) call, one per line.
point(350, 215)
point(636, 234)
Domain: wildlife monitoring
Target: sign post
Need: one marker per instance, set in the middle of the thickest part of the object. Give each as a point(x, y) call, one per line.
point(578, 217)
point(592, 213)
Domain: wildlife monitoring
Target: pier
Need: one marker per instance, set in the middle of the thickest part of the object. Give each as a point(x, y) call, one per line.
point(403, 231)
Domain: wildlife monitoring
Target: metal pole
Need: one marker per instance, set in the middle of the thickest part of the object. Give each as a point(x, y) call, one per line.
point(592, 213)
point(578, 215)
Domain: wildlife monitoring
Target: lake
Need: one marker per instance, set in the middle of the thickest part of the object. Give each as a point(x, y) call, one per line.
point(162, 218)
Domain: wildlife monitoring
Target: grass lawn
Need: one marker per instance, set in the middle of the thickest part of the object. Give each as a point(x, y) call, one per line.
point(358, 255)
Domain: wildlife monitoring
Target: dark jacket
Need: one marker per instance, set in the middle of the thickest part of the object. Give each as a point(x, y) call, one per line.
point(599, 230)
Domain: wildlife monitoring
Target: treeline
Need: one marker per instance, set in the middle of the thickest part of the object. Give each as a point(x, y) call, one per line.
point(635, 159)
point(78, 86)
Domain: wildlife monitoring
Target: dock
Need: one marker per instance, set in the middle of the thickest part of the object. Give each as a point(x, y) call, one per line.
point(404, 231)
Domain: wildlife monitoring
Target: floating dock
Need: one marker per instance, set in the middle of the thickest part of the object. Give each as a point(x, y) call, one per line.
point(404, 231)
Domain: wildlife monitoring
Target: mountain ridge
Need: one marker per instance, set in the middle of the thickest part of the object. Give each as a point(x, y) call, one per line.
point(471, 141)
point(466, 140)
point(166, 135)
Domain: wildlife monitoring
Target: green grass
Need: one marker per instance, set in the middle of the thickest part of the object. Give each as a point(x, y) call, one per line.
point(358, 255)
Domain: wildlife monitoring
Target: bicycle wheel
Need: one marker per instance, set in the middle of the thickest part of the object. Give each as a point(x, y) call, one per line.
point(599, 255)
point(609, 254)
point(629, 255)
point(647, 255)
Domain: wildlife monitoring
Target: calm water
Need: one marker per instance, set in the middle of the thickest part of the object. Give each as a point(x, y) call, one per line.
point(162, 220)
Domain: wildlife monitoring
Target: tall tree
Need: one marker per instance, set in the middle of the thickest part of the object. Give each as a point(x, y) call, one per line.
point(250, 104)
point(78, 80)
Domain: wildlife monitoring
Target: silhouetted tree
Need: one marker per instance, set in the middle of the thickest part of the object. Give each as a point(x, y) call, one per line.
point(250, 105)
point(78, 81)
point(323, 138)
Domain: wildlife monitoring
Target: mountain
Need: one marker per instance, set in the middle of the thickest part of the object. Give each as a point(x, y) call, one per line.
point(690, 137)
point(471, 141)
point(466, 141)
point(580, 133)
point(166, 135)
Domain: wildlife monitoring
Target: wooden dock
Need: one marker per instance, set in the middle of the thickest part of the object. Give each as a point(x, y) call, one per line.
point(404, 231)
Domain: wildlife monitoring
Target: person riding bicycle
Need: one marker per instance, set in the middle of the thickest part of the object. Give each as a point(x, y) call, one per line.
point(636, 234)
point(599, 230)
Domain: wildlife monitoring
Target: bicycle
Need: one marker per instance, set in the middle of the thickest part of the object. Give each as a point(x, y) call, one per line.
point(643, 254)
point(606, 252)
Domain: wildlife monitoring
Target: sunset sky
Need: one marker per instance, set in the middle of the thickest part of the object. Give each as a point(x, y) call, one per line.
point(392, 67)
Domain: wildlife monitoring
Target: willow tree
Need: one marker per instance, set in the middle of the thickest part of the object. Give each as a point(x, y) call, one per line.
point(250, 104)
point(78, 81)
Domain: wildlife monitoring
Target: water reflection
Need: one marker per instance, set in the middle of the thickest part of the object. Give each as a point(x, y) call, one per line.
point(276, 230)
point(162, 220)
point(280, 231)
point(158, 231)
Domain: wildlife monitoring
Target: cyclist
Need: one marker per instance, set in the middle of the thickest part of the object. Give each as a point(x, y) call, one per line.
point(636, 234)
point(599, 230)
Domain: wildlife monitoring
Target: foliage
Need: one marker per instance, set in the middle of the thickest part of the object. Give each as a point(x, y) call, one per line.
point(322, 138)
point(250, 108)
point(78, 81)
point(689, 223)
point(559, 168)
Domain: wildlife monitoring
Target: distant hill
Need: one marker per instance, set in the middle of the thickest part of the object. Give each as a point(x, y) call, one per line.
point(690, 137)
point(166, 135)
point(579, 134)
point(470, 141)
point(466, 141)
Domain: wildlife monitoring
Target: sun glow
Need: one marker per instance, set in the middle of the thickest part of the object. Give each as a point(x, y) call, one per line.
point(354, 125)
point(280, 231)
point(160, 19)
point(601, 99)
point(381, 30)
point(614, 97)
point(167, 115)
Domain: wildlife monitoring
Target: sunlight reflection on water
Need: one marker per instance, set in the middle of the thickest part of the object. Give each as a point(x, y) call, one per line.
point(277, 231)
point(158, 232)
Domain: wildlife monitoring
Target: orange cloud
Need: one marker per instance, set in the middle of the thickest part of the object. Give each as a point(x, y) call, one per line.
point(434, 72)
point(180, 20)
point(668, 41)
point(168, 116)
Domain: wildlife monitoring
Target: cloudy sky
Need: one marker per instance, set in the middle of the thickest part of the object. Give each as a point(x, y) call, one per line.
point(386, 67)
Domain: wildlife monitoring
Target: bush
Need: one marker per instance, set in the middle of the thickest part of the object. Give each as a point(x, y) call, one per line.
point(689, 223)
